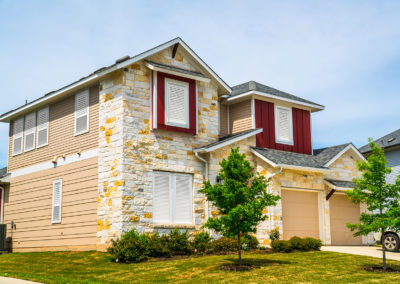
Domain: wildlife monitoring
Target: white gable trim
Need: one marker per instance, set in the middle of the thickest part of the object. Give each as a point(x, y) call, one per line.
point(266, 95)
point(92, 78)
point(350, 146)
point(228, 142)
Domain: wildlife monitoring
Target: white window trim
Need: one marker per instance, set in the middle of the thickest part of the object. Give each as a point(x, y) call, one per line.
point(20, 135)
point(172, 194)
point(186, 125)
point(2, 192)
point(40, 128)
point(52, 202)
point(88, 116)
point(277, 140)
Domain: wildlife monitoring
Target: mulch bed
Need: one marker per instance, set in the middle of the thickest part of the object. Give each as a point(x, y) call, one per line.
point(380, 269)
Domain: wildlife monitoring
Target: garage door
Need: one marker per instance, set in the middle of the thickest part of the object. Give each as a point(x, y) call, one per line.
point(343, 211)
point(300, 214)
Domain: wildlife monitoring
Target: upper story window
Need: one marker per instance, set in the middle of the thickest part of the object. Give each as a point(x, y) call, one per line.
point(30, 132)
point(82, 112)
point(177, 103)
point(174, 103)
point(42, 127)
point(283, 125)
point(172, 198)
point(18, 132)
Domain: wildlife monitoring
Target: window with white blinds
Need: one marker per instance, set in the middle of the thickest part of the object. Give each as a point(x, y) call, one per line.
point(82, 112)
point(177, 103)
point(42, 127)
point(30, 131)
point(18, 132)
point(172, 198)
point(56, 201)
point(283, 125)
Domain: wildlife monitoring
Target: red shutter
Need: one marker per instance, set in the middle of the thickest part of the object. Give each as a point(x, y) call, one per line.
point(161, 104)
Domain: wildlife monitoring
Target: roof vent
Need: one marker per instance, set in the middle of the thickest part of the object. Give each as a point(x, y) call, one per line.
point(252, 85)
point(122, 59)
point(391, 139)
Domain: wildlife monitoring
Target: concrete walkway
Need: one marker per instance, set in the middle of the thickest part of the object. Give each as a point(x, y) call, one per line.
point(363, 250)
point(6, 280)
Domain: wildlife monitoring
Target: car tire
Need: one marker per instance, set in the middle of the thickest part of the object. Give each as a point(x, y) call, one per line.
point(391, 242)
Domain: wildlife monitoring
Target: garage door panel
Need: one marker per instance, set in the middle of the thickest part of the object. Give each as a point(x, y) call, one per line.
point(343, 211)
point(300, 214)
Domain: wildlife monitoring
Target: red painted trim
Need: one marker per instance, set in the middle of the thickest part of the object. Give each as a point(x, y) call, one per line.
point(161, 104)
point(265, 118)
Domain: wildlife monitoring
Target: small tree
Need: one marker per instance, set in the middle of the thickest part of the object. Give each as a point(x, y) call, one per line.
point(380, 198)
point(240, 199)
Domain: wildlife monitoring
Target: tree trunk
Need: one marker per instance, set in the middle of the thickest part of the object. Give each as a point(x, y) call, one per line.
point(383, 250)
point(239, 250)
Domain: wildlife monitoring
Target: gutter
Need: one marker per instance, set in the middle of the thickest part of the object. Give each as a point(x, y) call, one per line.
point(206, 175)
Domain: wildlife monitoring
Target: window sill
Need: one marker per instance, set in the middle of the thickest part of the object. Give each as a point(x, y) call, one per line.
point(80, 133)
point(174, 226)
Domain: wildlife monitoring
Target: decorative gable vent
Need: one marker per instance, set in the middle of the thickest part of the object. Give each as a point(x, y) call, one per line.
point(177, 103)
point(283, 125)
point(30, 123)
point(56, 204)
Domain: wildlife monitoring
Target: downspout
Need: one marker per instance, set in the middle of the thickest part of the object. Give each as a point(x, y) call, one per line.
point(206, 175)
point(268, 191)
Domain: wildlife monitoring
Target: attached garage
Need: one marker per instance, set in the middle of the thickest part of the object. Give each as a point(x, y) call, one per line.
point(300, 214)
point(343, 211)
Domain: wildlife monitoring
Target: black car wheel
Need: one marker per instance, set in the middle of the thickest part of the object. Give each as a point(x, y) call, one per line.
point(391, 242)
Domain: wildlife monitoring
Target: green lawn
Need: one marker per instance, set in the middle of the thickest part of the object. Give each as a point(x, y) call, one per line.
point(95, 267)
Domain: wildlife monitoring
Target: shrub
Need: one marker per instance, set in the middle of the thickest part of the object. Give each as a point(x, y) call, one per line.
point(179, 243)
point(313, 244)
point(281, 246)
point(131, 247)
point(274, 235)
point(224, 244)
point(202, 242)
point(297, 243)
point(157, 246)
point(249, 242)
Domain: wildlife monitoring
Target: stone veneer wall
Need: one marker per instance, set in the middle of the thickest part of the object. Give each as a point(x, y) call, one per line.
point(130, 150)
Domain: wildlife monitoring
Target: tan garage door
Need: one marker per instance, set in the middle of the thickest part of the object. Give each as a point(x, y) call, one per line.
point(300, 214)
point(342, 211)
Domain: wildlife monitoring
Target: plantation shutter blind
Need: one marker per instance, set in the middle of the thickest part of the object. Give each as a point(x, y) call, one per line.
point(283, 124)
point(177, 97)
point(42, 127)
point(82, 112)
point(18, 130)
point(30, 123)
point(161, 198)
point(56, 202)
point(183, 199)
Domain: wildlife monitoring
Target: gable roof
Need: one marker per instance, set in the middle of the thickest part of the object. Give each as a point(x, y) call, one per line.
point(390, 140)
point(227, 140)
point(321, 159)
point(96, 75)
point(253, 87)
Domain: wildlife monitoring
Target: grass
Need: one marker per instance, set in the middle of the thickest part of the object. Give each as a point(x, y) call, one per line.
point(95, 267)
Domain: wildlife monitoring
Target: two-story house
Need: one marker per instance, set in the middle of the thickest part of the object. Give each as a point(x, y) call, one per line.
point(130, 145)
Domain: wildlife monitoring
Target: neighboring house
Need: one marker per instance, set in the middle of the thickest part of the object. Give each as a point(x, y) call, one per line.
point(391, 145)
point(130, 145)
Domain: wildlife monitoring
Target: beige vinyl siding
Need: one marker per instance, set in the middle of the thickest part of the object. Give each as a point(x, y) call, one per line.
point(29, 204)
point(223, 120)
point(240, 117)
point(61, 133)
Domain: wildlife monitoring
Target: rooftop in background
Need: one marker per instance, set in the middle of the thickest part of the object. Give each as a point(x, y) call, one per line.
point(385, 142)
point(255, 87)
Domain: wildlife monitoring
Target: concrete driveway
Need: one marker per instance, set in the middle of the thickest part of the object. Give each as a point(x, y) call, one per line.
point(363, 250)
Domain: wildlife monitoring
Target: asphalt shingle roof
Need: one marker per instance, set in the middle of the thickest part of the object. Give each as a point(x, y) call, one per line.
point(255, 86)
point(172, 68)
point(3, 172)
point(227, 138)
point(390, 140)
point(318, 160)
point(341, 183)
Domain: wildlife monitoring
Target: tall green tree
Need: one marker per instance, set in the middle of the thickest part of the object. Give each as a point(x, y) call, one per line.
point(381, 198)
point(240, 199)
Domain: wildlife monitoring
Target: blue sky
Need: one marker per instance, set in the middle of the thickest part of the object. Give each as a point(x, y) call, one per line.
point(342, 54)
